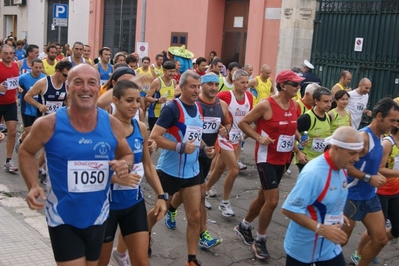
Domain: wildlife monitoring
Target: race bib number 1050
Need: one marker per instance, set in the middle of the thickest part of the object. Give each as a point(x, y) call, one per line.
point(87, 176)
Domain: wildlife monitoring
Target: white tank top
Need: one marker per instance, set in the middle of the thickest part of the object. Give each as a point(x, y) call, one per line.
point(237, 111)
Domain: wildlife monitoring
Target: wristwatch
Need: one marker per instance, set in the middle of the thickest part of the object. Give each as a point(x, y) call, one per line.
point(366, 178)
point(165, 197)
point(156, 100)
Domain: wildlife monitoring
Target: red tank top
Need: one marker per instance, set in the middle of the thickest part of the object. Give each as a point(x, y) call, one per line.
point(10, 76)
point(281, 128)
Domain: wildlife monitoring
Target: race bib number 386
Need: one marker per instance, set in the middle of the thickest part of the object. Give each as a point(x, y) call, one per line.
point(87, 176)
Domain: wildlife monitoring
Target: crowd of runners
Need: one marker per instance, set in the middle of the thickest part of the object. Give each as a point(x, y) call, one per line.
point(90, 126)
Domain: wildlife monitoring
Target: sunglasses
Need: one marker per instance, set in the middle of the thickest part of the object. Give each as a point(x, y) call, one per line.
point(65, 75)
point(293, 84)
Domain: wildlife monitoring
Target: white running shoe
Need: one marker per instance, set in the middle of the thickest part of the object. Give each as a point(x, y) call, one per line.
point(226, 210)
point(241, 166)
point(122, 260)
point(212, 192)
point(10, 167)
point(207, 203)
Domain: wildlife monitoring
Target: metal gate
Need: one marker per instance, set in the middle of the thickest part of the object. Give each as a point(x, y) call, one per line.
point(120, 25)
point(338, 24)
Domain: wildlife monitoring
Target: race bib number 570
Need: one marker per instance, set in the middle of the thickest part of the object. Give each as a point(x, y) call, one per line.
point(87, 176)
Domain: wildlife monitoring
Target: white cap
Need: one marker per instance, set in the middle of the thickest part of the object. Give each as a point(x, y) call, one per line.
point(194, 60)
point(307, 64)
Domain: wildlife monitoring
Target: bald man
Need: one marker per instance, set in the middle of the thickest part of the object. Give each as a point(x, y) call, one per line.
point(358, 102)
point(263, 84)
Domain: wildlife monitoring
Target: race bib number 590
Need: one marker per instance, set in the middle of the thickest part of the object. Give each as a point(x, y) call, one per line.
point(87, 176)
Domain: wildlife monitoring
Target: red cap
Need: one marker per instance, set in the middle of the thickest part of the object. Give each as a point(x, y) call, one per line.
point(288, 75)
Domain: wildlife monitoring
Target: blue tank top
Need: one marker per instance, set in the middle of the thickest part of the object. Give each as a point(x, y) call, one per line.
point(369, 164)
point(73, 63)
point(25, 68)
point(26, 81)
point(123, 197)
point(79, 173)
point(181, 165)
point(53, 97)
point(213, 116)
point(104, 75)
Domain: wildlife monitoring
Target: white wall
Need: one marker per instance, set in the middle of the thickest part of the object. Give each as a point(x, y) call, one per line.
point(37, 21)
point(78, 21)
point(22, 20)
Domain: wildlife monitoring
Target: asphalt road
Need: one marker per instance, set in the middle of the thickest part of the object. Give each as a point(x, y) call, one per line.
point(169, 247)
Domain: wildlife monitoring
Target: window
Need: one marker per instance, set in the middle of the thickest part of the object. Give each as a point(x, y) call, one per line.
point(178, 39)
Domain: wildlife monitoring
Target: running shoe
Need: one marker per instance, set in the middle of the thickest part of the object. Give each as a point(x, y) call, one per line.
point(244, 234)
point(207, 203)
point(207, 241)
point(3, 128)
point(212, 192)
point(226, 210)
point(356, 258)
point(43, 176)
point(10, 167)
point(170, 220)
point(241, 166)
point(122, 260)
point(194, 262)
point(260, 250)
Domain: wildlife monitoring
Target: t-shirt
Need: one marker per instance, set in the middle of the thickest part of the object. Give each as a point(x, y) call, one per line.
point(357, 104)
point(320, 193)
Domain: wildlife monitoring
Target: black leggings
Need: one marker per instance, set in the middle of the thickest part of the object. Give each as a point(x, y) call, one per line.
point(390, 209)
point(337, 261)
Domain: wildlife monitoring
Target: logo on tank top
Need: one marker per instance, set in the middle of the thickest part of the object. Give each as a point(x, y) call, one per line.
point(85, 141)
point(240, 112)
point(103, 149)
point(137, 146)
point(287, 114)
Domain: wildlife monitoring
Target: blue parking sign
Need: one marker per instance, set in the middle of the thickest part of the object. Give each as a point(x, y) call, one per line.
point(60, 15)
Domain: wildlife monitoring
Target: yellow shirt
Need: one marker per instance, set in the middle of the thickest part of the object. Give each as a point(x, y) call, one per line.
point(263, 89)
point(146, 85)
point(49, 69)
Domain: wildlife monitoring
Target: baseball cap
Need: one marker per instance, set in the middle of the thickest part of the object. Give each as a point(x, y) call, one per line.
point(288, 75)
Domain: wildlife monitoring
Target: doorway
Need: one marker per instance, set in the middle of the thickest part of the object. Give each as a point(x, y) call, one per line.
point(235, 31)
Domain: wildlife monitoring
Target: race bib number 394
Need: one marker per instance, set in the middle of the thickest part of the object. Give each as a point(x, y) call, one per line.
point(87, 176)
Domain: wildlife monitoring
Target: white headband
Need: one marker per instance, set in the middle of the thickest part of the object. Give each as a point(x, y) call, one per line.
point(345, 145)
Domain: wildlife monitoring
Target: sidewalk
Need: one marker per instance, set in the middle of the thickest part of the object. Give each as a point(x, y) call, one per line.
point(21, 244)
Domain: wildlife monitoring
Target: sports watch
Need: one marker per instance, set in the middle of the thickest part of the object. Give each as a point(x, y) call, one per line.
point(366, 178)
point(165, 196)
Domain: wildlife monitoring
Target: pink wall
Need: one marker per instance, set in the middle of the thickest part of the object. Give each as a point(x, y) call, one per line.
point(96, 22)
point(214, 27)
point(176, 16)
point(263, 36)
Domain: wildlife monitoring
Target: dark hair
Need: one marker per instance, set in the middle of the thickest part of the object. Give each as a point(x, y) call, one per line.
point(216, 61)
point(168, 65)
point(131, 59)
point(20, 42)
point(341, 93)
point(394, 130)
point(121, 86)
point(51, 46)
point(77, 43)
point(145, 58)
point(100, 52)
point(232, 65)
point(200, 60)
point(30, 48)
point(320, 92)
point(61, 65)
point(384, 106)
point(36, 60)
point(213, 52)
point(158, 56)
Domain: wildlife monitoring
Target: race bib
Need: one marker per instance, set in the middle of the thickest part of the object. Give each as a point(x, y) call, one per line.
point(211, 125)
point(285, 143)
point(53, 106)
point(396, 163)
point(87, 176)
point(12, 83)
point(193, 133)
point(235, 135)
point(331, 219)
point(137, 169)
point(318, 145)
point(359, 107)
point(145, 87)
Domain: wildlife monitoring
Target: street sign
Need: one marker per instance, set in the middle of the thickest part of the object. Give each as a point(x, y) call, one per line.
point(142, 49)
point(60, 15)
